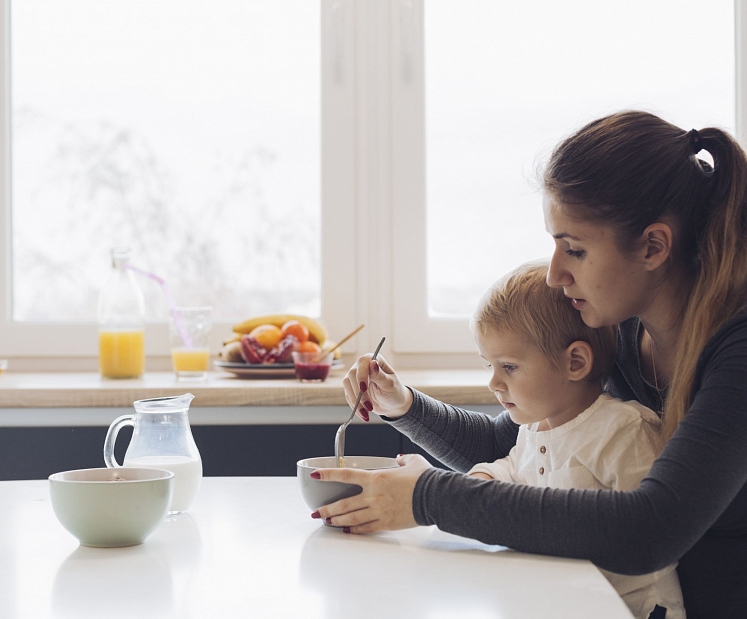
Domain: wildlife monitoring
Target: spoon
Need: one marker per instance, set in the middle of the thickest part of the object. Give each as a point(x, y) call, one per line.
point(342, 341)
point(340, 436)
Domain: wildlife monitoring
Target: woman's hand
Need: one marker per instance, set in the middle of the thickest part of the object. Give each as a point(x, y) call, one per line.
point(385, 503)
point(383, 393)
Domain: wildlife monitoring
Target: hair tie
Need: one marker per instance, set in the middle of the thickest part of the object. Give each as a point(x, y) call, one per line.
point(695, 144)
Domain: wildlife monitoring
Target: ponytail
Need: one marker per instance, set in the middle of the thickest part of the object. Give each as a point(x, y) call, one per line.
point(718, 292)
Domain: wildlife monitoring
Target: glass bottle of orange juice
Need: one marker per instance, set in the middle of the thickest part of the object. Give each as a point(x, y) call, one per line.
point(121, 318)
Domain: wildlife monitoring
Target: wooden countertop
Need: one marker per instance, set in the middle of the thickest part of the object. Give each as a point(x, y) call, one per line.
point(83, 390)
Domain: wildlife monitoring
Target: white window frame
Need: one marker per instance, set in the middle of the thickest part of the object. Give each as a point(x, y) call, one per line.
point(373, 198)
point(50, 346)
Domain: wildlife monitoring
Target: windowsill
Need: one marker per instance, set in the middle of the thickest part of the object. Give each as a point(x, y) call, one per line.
point(88, 389)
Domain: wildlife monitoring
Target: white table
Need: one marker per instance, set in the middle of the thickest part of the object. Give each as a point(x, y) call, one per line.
point(248, 548)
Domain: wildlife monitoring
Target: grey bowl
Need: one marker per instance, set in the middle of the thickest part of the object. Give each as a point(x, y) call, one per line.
point(317, 493)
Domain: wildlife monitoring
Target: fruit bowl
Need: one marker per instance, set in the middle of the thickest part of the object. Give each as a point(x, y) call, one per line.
point(272, 339)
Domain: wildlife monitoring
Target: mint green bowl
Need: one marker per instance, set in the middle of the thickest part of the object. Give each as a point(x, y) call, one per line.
point(111, 507)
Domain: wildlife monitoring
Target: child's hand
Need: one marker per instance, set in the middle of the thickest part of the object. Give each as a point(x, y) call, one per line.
point(481, 476)
point(384, 394)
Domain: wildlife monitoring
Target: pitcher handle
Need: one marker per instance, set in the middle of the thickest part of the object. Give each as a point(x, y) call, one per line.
point(111, 439)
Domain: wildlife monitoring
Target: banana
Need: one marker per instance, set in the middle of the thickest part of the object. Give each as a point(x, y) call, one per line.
point(317, 332)
point(235, 337)
point(232, 352)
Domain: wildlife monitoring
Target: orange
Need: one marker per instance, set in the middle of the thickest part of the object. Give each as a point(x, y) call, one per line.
point(297, 329)
point(267, 335)
point(308, 346)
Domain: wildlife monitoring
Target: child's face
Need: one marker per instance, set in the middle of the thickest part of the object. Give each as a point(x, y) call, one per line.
point(525, 381)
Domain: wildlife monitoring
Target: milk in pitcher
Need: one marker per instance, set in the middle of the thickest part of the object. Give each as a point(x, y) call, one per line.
point(187, 476)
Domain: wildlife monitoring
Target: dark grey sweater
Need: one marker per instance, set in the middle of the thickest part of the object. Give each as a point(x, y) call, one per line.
point(691, 508)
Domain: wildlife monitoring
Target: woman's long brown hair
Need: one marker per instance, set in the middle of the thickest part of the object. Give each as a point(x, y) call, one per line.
point(631, 169)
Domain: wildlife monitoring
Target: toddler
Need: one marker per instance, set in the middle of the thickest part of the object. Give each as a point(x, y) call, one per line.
point(548, 369)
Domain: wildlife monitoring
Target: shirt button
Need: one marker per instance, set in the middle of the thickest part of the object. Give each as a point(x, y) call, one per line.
point(542, 470)
point(543, 449)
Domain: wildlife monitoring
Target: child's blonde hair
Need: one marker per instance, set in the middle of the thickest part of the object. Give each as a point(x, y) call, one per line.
point(522, 303)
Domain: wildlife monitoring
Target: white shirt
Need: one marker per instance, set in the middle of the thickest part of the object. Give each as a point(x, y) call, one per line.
point(611, 445)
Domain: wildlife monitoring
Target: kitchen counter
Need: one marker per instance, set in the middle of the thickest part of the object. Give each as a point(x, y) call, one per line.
point(89, 390)
point(248, 548)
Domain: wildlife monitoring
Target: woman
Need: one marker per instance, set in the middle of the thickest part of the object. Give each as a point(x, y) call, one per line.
point(652, 238)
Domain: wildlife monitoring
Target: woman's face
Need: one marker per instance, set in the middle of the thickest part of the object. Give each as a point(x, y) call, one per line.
point(606, 284)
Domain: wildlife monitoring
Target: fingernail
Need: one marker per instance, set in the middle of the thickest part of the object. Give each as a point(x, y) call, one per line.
point(364, 416)
point(316, 514)
point(400, 455)
point(315, 475)
point(368, 405)
point(346, 529)
point(328, 520)
point(363, 387)
point(376, 367)
point(363, 412)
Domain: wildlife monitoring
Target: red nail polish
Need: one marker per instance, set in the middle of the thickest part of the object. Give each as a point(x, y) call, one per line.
point(316, 514)
point(363, 412)
point(328, 520)
point(346, 529)
point(376, 367)
point(363, 387)
point(368, 405)
point(364, 416)
point(315, 475)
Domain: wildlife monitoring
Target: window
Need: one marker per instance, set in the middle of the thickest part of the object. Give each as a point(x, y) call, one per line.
point(503, 83)
point(187, 131)
point(364, 162)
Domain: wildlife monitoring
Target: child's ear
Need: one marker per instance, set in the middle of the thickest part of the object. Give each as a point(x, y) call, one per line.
point(578, 360)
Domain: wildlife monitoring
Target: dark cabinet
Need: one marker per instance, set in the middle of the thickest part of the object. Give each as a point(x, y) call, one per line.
point(246, 450)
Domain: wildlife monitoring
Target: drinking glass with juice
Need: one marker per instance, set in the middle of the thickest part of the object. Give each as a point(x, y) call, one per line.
point(190, 360)
point(190, 340)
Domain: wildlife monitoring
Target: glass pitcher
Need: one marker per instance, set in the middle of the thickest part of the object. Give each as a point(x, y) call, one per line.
point(161, 439)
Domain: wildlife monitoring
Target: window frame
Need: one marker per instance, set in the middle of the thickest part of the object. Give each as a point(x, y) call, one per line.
point(45, 346)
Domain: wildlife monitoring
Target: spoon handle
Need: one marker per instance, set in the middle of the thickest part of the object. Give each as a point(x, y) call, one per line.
point(340, 436)
point(360, 394)
point(343, 340)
